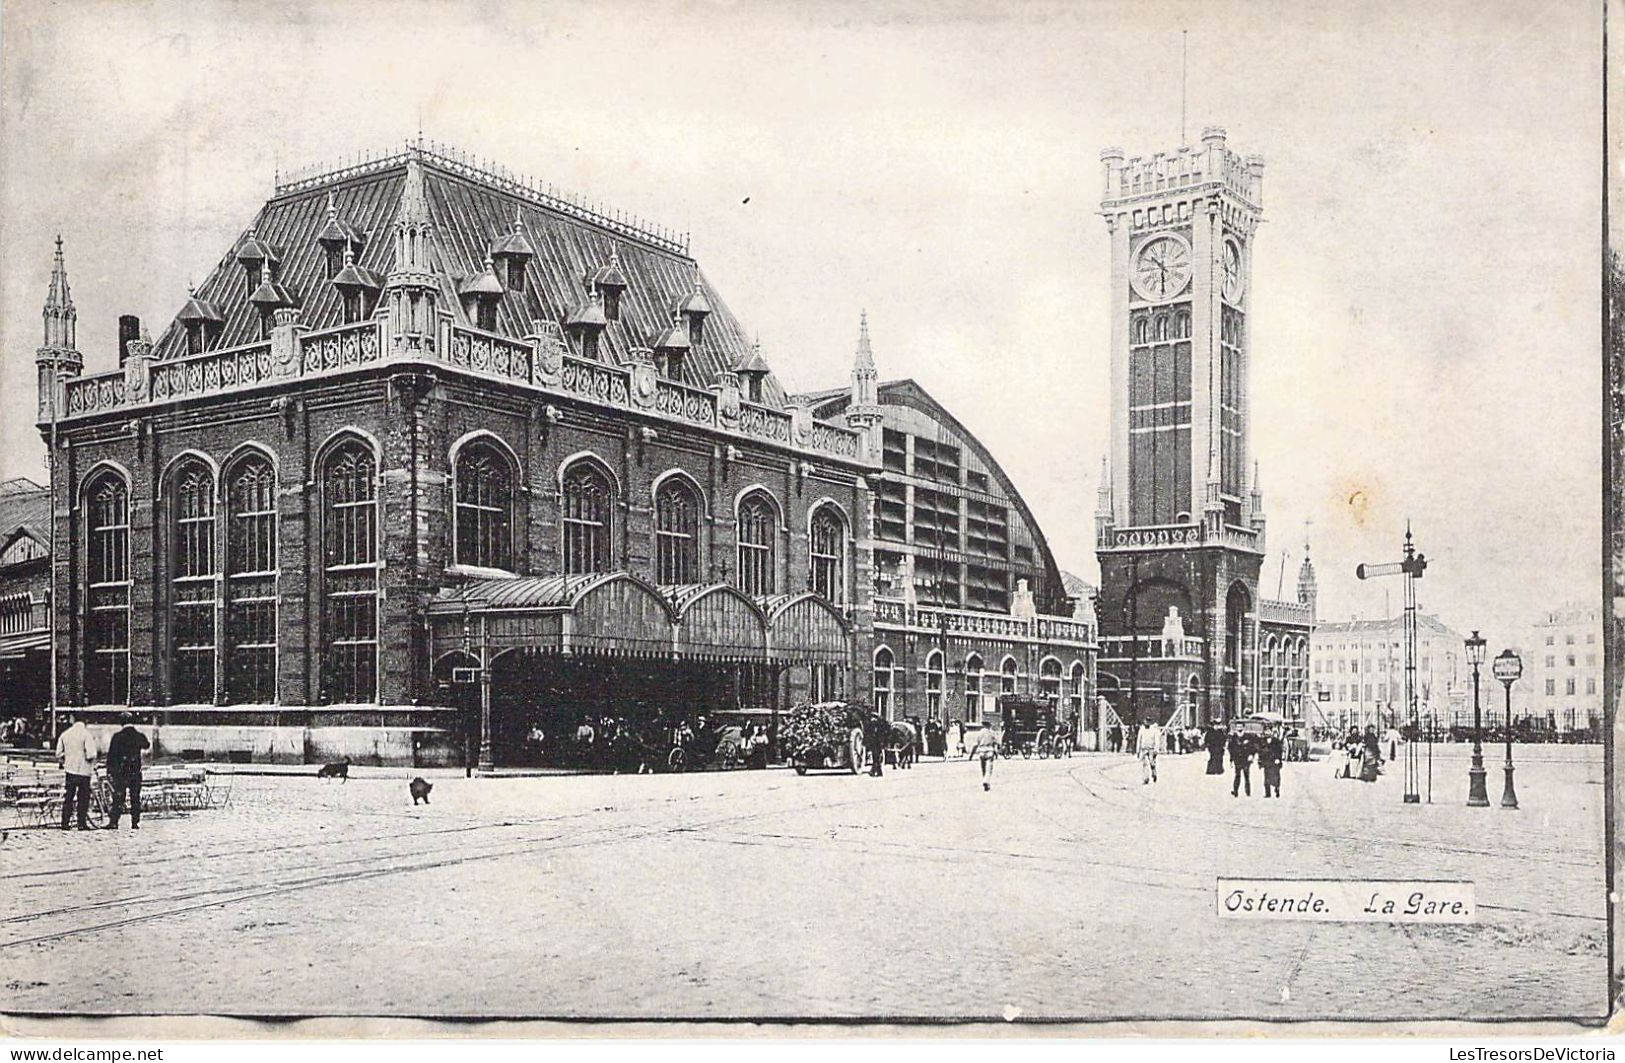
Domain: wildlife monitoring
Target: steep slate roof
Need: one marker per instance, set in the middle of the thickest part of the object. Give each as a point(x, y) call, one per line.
point(25, 504)
point(471, 216)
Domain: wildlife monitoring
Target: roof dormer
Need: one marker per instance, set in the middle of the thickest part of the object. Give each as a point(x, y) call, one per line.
point(587, 322)
point(335, 236)
point(512, 252)
point(480, 295)
point(610, 282)
point(694, 308)
point(671, 347)
point(255, 255)
point(752, 371)
point(358, 287)
point(269, 297)
point(202, 321)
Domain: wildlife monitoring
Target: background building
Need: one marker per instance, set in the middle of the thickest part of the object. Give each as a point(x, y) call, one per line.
point(1562, 681)
point(1180, 521)
point(430, 457)
point(1358, 672)
point(25, 601)
point(969, 602)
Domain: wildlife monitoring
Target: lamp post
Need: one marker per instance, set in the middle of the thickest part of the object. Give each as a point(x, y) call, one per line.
point(1507, 669)
point(1477, 797)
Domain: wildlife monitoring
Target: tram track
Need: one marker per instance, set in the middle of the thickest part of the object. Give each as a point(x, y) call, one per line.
point(410, 862)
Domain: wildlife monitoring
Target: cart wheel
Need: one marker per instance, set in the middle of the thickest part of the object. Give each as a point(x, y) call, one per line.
point(801, 769)
point(854, 741)
point(676, 760)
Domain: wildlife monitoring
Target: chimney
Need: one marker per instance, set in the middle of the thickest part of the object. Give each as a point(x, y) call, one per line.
point(129, 328)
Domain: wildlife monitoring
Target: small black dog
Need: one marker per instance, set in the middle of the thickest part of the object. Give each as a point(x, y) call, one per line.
point(341, 770)
point(420, 790)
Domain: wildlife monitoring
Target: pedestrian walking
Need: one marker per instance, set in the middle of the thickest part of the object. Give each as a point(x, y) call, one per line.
point(1392, 739)
point(1241, 756)
point(875, 729)
point(1215, 749)
point(1148, 742)
point(985, 748)
point(1370, 755)
point(76, 752)
point(124, 770)
point(1269, 759)
point(1114, 737)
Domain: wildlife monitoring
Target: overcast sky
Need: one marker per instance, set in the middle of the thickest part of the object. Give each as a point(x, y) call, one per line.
point(1425, 315)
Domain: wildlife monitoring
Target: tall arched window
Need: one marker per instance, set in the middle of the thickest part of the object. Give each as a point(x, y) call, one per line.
point(883, 681)
point(828, 554)
point(1049, 680)
point(757, 524)
point(251, 571)
point(934, 676)
point(350, 574)
point(1075, 692)
point(107, 603)
point(485, 479)
point(1007, 676)
point(677, 532)
point(192, 585)
point(973, 688)
point(588, 500)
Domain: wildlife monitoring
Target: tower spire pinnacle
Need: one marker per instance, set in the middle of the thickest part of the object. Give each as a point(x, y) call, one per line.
point(60, 316)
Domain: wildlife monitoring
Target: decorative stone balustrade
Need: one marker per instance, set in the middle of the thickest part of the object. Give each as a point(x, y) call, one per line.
point(929, 618)
point(1160, 536)
point(1121, 648)
point(93, 394)
point(292, 353)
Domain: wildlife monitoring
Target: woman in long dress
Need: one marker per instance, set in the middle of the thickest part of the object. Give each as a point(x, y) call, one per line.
point(1215, 750)
point(1370, 755)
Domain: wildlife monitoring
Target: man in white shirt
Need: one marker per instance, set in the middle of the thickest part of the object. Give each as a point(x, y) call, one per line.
point(1147, 742)
point(76, 752)
point(1392, 738)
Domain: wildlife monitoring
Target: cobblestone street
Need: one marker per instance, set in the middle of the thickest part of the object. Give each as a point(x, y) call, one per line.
point(1068, 891)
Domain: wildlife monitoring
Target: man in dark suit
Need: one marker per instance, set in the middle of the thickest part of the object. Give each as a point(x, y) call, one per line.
point(1242, 751)
point(875, 730)
point(124, 770)
point(1269, 759)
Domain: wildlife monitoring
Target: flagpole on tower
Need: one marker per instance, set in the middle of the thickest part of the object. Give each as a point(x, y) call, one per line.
point(1183, 66)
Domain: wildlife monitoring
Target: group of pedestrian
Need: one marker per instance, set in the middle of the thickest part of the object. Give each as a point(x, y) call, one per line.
point(77, 752)
point(16, 734)
point(1362, 754)
point(1267, 749)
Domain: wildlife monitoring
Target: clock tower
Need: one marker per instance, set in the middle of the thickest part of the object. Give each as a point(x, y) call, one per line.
point(1180, 526)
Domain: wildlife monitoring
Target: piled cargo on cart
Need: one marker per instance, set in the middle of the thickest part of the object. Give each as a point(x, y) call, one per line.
point(825, 734)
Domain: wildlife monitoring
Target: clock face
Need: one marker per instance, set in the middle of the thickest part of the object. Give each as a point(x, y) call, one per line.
point(1162, 268)
point(1232, 271)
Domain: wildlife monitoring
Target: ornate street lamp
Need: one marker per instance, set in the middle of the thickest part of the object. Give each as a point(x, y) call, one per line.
point(1477, 796)
point(1507, 669)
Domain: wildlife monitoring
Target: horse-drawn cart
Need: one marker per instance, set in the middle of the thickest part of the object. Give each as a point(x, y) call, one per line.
point(823, 735)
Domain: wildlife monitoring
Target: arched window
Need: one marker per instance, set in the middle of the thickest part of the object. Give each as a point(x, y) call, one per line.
point(588, 501)
point(191, 585)
point(1162, 326)
point(251, 570)
point(1141, 331)
point(973, 688)
point(107, 602)
point(350, 574)
point(485, 480)
point(1007, 676)
point(757, 526)
point(883, 681)
point(677, 532)
point(934, 677)
point(1075, 692)
point(1182, 325)
point(1049, 680)
point(828, 554)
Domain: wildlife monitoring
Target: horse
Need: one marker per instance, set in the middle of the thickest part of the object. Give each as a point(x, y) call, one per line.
point(904, 741)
